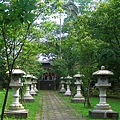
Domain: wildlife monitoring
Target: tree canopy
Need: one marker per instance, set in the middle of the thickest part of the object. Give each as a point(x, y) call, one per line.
point(92, 36)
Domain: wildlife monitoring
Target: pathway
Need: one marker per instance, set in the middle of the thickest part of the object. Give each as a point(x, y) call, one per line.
point(54, 108)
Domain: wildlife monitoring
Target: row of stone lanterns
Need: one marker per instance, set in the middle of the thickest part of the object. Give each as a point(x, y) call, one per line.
point(101, 110)
point(27, 97)
point(16, 109)
point(78, 96)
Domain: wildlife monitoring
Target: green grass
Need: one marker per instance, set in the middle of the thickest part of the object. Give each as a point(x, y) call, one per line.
point(114, 103)
point(37, 107)
point(32, 107)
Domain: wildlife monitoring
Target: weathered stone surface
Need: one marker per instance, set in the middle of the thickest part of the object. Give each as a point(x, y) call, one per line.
point(28, 100)
point(77, 100)
point(16, 114)
point(104, 115)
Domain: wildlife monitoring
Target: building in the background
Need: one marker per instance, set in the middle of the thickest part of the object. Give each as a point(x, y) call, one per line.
point(48, 79)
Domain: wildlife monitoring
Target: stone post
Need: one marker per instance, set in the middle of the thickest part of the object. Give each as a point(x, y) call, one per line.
point(78, 96)
point(16, 109)
point(68, 82)
point(102, 110)
point(27, 96)
point(62, 90)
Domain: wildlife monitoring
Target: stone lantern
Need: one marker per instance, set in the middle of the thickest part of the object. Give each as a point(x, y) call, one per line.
point(27, 96)
point(34, 86)
point(68, 82)
point(32, 91)
point(62, 90)
point(16, 109)
point(102, 109)
point(78, 96)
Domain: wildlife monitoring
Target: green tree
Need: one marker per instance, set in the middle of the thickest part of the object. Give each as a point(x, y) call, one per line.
point(16, 18)
point(84, 6)
point(88, 55)
point(2, 66)
point(28, 59)
point(104, 25)
point(105, 21)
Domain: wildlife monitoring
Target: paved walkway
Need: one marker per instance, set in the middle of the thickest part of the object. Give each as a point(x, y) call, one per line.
point(54, 108)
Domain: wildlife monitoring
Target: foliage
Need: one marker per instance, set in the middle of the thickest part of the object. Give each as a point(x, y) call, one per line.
point(28, 59)
point(104, 25)
point(85, 6)
point(93, 37)
point(16, 18)
point(105, 22)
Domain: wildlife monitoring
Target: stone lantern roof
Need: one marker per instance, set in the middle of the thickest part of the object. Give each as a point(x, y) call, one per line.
point(68, 77)
point(28, 76)
point(17, 71)
point(62, 78)
point(78, 75)
point(103, 72)
point(34, 77)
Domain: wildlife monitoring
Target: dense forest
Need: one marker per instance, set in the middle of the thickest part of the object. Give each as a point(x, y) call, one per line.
point(88, 38)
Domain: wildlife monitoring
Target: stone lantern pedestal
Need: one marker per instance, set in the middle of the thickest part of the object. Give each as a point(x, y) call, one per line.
point(27, 96)
point(32, 91)
point(35, 82)
point(78, 96)
point(62, 90)
point(68, 82)
point(16, 110)
point(102, 110)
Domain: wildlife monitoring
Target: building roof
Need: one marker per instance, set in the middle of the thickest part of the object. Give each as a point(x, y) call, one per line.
point(46, 58)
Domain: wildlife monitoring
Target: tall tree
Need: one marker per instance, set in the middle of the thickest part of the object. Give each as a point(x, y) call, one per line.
point(104, 24)
point(14, 27)
point(88, 55)
point(16, 18)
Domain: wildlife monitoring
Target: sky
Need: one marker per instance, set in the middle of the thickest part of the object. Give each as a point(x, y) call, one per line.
point(57, 19)
point(54, 18)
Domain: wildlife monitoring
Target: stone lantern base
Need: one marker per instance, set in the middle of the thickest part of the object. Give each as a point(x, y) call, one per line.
point(67, 93)
point(77, 99)
point(16, 111)
point(27, 99)
point(36, 91)
point(104, 107)
point(16, 114)
point(103, 111)
point(33, 93)
point(62, 91)
point(103, 114)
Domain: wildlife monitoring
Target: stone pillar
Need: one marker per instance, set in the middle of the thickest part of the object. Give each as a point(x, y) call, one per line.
point(62, 90)
point(68, 82)
point(102, 110)
point(27, 96)
point(78, 96)
point(15, 97)
point(32, 91)
point(16, 109)
point(35, 82)
point(35, 88)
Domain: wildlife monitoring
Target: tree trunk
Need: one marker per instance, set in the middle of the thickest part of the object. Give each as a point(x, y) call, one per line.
point(5, 100)
point(87, 98)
